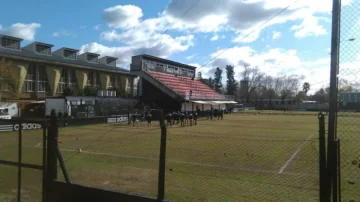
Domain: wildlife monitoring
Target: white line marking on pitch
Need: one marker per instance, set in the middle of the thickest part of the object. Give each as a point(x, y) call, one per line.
point(181, 162)
point(294, 154)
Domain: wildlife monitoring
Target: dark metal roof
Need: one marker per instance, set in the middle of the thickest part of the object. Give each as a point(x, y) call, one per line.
point(42, 44)
point(10, 37)
point(89, 53)
point(24, 54)
point(109, 57)
point(150, 57)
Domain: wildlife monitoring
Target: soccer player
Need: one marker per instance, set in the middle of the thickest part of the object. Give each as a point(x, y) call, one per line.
point(182, 117)
point(168, 119)
point(191, 119)
point(195, 118)
point(148, 118)
point(134, 119)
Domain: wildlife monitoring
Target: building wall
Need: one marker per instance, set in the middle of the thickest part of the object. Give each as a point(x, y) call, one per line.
point(37, 81)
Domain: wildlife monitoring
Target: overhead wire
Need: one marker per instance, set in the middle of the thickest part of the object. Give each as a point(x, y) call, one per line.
point(248, 34)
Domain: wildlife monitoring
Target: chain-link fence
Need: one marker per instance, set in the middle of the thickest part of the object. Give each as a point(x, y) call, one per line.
point(112, 153)
point(21, 161)
point(244, 157)
point(348, 128)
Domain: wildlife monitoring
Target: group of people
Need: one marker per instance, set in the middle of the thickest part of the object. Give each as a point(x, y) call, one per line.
point(173, 118)
point(183, 118)
point(136, 117)
point(216, 113)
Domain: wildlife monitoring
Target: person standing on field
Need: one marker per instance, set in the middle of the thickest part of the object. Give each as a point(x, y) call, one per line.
point(149, 118)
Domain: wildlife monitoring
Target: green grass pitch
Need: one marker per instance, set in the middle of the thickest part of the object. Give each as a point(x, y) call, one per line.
point(245, 157)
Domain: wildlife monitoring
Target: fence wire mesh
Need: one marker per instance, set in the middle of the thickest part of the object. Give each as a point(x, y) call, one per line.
point(31, 154)
point(348, 129)
point(245, 157)
point(111, 153)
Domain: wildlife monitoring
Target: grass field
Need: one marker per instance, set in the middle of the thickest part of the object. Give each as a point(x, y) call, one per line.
point(245, 157)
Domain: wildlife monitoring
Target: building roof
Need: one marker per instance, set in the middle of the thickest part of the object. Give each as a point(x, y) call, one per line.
point(24, 54)
point(10, 37)
point(150, 57)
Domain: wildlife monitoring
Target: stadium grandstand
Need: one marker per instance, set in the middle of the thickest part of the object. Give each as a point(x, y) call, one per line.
point(172, 85)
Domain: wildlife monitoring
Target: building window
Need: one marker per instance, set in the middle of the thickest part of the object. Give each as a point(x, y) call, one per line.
point(129, 86)
point(70, 54)
point(92, 58)
point(30, 79)
point(43, 84)
point(72, 79)
point(44, 50)
point(112, 81)
point(90, 79)
point(97, 79)
point(62, 81)
point(10, 43)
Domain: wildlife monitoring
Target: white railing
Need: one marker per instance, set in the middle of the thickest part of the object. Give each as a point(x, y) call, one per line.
point(205, 96)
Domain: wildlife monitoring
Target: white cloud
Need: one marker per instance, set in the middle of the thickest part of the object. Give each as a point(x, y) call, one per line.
point(309, 27)
point(273, 62)
point(243, 16)
point(21, 30)
point(162, 48)
point(122, 16)
point(214, 38)
point(97, 27)
point(63, 33)
point(276, 35)
point(190, 57)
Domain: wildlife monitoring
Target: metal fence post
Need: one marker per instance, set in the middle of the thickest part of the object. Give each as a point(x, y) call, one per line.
point(19, 161)
point(44, 180)
point(333, 99)
point(161, 178)
point(51, 150)
point(323, 173)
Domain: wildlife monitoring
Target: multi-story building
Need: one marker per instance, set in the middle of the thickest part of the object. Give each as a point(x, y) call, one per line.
point(42, 72)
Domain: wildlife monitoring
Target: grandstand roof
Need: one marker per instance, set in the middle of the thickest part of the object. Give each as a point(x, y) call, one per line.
point(153, 58)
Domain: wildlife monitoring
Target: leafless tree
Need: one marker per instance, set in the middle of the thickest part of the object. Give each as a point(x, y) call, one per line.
point(253, 77)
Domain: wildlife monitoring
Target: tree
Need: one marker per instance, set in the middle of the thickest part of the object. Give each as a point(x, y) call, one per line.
point(253, 78)
point(231, 84)
point(322, 95)
point(90, 91)
point(199, 75)
point(68, 92)
point(9, 85)
point(306, 87)
point(217, 80)
point(301, 96)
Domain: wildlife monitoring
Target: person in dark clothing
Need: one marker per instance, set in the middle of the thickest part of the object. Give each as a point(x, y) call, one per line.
point(195, 118)
point(174, 116)
point(178, 117)
point(182, 117)
point(222, 114)
point(186, 117)
point(168, 119)
point(211, 113)
point(191, 119)
point(216, 113)
point(134, 119)
point(149, 118)
point(129, 117)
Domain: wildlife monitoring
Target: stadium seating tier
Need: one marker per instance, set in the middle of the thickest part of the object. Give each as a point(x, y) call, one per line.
point(183, 85)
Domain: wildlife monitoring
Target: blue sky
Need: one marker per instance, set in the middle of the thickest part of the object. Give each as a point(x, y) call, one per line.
point(296, 42)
